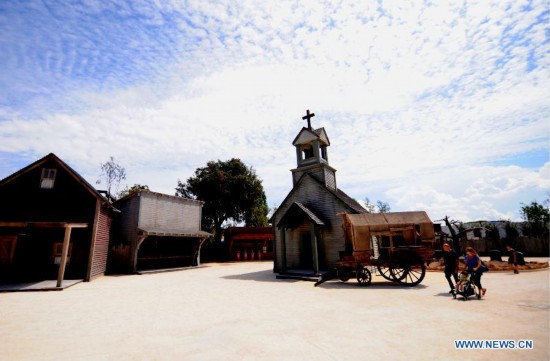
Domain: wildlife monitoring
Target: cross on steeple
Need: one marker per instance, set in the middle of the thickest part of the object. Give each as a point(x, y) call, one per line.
point(308, 116)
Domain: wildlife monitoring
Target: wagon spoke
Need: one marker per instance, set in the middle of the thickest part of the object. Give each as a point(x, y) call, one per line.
point(398, 273)
point(414, 275)
point(385, 272)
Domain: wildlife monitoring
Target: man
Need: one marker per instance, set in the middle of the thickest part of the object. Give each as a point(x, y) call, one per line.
point(513, 259)
point(450, 259)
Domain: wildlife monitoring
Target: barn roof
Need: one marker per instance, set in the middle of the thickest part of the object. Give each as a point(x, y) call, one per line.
point(67, 168)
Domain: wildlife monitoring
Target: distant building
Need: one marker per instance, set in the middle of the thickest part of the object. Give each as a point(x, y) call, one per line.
point(307, 228)
point(53, 224)
point(250, 243)
point(155, 231)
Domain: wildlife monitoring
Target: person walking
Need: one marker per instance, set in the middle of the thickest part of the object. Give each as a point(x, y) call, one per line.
point(450, 260)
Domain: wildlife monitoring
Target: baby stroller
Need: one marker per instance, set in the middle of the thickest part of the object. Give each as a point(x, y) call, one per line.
point(466, 288)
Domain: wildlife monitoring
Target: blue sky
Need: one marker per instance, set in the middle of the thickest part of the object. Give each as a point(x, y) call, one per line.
point(440, 106)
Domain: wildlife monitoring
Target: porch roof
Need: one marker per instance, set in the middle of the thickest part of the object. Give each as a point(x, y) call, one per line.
point(172, 233)
point(298, 207)
point(43, 224)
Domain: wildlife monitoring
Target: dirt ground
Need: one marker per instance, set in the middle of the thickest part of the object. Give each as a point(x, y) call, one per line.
point(239, 311)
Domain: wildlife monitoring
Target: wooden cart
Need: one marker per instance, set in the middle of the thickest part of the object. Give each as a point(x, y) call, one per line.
point(393, 245)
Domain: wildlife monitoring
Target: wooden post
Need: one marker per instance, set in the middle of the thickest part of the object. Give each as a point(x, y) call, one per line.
point(135, 252)
point(315, 249)
point(63, 263)
point(283, 249)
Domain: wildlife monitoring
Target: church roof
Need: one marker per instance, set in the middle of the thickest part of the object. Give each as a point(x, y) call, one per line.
point(339, 194)
point(307, 135)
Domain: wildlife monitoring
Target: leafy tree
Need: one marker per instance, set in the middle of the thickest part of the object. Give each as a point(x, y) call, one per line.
point(112, 173)
point(135, 188)
point(537, 218)
point(229, 190)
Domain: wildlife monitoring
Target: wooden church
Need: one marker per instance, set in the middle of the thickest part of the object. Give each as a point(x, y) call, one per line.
point(308, 231)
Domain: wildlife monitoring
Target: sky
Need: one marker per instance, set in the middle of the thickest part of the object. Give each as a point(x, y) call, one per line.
point(440, 106)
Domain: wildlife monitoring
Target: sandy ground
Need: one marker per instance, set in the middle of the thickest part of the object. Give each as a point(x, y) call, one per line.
point(241, 312)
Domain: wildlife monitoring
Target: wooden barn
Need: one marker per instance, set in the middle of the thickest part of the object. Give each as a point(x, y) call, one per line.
point(53, 224)
point(307, 228)
point(156, 231)
point(249, 243)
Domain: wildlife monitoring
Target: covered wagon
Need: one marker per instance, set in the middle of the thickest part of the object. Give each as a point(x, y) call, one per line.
point(394, 245)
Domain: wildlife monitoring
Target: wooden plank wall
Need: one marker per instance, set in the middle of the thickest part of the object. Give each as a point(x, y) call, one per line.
point(101, 249)
point(169, 213)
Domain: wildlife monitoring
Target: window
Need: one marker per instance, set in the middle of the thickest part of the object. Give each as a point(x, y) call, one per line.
point(324, 152)
point(48, 178)
point(307, 151)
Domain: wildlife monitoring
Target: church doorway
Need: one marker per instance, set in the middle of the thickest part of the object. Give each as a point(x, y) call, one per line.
point(305, 255)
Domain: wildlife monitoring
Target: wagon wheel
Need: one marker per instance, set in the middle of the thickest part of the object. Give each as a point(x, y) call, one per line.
point(409, 268)
point(344, 273)
point(385, 272)
point(391, 269)
point(363, 276)
point(398, 272)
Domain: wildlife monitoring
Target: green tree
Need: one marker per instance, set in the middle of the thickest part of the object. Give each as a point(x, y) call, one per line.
point(537, 219)
point(112, 173)
point(229, 190)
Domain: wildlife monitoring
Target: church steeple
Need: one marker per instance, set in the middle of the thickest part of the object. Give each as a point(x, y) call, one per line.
point(312, 155)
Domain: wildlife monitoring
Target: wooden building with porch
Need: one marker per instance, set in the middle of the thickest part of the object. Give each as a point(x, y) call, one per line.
point(249, 243)
point(307, 228)
point(156, 231)
point(53, 224)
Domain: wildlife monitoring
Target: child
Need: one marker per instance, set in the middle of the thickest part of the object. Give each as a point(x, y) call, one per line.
point(464, 278)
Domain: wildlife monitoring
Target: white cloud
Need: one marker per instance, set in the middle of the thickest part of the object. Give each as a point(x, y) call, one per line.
point(413, 97)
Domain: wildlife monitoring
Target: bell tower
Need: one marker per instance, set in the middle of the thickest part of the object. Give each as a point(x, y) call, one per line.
point(312, 156)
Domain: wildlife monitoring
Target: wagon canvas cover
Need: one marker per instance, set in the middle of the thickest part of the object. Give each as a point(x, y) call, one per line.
point(360, 227)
